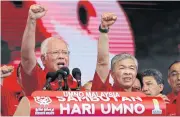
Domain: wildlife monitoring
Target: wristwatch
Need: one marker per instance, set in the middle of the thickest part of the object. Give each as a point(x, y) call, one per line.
point(103, 30)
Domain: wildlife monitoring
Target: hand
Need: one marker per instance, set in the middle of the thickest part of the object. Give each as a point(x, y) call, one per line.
point(164, 97)
point(108, 19)
point(36, 11)
point(6, 71)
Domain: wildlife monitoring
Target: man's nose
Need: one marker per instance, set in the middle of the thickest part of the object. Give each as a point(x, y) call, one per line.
point(178, 76)
point(145, 88)
point(61, 56)
point(127, 71)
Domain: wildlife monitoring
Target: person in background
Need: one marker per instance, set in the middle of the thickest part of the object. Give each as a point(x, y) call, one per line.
point(153, 83)
point(137, 86)
point(174, 82)
point(9, 98)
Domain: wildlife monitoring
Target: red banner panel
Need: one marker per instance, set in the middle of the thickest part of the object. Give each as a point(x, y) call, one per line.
point(95, 104)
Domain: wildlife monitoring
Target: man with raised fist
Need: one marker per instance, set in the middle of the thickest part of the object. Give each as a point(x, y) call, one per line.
point(54, 55)
point(123, 66)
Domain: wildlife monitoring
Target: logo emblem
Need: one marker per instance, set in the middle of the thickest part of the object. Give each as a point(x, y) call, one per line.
point(42, 100)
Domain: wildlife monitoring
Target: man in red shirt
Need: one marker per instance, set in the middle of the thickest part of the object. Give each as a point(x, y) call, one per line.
point(123, 66)
point(10, 95)
point(174, 81)
point(54, 55)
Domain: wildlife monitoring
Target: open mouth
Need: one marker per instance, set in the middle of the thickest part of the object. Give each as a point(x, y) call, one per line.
point(178, 84)
point(60, 64)
point(127, 79)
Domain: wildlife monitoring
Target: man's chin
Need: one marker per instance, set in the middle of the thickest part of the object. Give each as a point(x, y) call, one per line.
point(127, 84)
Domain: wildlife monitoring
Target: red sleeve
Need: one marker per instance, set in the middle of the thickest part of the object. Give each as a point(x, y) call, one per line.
point(33, 82)
point(98, 85)
point(9, 102)
point(178, 105)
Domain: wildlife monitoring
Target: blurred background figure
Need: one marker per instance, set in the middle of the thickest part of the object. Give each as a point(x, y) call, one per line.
point(174, 80)
point(153, 83)
point(10, 95)
point(137, 86)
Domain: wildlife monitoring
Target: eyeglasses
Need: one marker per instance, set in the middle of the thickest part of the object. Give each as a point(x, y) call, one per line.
point(56, 53)
point(174, 74)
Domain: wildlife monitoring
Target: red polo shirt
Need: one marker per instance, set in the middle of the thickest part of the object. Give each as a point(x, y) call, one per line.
point(11, 93)
point(9, 102)
point(174, 107)
point(178, 105)
point(37, 80)
point(98, 85)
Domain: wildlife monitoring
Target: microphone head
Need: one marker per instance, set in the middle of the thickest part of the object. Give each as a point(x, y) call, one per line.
point(76, 71)
point(66, 70)
point(52, 75)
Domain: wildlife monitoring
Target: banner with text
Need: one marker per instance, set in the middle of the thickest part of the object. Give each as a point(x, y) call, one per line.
point(77, 103)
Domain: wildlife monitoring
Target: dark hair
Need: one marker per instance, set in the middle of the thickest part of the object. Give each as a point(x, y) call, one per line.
point(155, 73)
point(139, 77)
point(177, 61)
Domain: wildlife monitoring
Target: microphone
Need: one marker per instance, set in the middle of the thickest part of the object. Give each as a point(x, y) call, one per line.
point(49, 77)
point(66, 72)
point(62, 75)
point(76, 72)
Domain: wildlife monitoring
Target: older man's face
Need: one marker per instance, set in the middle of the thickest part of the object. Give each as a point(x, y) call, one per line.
point(57, 55)
point(151, 87)
point(125, 72)
point(174, 77)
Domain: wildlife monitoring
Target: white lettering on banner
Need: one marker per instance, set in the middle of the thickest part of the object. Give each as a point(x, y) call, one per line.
point(122, 108)
point(72, 105)
point(89, 108)
point(137, 108)
point(61, 98)
point(89, 96)
point(128, 108)
point(77, 109)
point(131, 99)
point(64, 108)
point(44, 111)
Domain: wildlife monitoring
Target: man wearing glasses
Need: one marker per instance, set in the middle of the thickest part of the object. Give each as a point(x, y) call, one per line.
point(54, 55)
point(174, 81)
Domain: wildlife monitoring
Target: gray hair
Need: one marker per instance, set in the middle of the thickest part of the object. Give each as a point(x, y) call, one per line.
point(121, 57)
point(154, 73)
point(45, 43)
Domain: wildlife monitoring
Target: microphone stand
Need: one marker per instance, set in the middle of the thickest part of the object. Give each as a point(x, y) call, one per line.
point(60, 84)
point(79, 86)
point(66, 88)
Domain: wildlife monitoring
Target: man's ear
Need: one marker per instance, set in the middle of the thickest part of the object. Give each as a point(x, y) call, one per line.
point(43, 58)
point(161, 87)
point(112, 74)
point(168, 81)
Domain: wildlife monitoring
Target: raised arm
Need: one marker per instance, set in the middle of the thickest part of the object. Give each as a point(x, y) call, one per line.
point(28, 58)
point(102, 66)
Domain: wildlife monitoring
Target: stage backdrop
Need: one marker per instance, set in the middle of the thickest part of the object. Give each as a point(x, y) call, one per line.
point(76, 22)
point(148, 30)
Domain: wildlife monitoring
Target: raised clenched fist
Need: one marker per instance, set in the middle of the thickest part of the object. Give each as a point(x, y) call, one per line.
point(36, 11)
point(6, 71)
point(108, 19)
